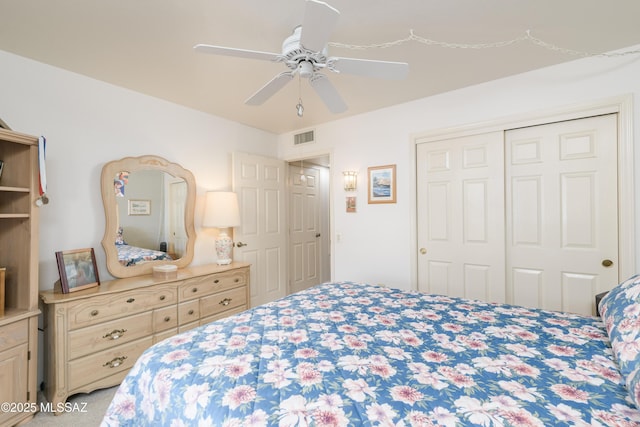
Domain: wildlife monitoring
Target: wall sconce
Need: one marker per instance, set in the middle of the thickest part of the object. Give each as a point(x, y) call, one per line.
point(350, 180)
point(221, 211)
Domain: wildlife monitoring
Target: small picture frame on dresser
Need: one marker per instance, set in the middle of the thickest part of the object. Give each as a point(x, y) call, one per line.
point(78, 269)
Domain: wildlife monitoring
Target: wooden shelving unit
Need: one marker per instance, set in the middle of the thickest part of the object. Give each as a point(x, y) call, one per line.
point(19, 255)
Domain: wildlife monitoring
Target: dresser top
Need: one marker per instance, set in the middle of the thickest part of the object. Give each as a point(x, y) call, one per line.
point(119, 285)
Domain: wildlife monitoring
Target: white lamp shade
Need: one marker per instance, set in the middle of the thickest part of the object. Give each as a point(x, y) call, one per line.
point(221, 210)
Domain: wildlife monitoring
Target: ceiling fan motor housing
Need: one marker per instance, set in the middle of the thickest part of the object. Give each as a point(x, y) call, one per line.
point(299, 58)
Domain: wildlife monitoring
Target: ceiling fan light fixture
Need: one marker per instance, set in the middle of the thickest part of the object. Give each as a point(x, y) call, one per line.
point(305, 69)
point(304, 53)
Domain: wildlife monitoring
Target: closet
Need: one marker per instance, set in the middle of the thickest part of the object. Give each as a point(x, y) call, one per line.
point(527, 216)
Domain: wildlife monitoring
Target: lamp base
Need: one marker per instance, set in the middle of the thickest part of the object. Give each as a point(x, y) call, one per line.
point(224, 246)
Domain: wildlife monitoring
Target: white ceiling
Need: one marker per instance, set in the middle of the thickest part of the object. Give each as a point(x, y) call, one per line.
point(146, 46)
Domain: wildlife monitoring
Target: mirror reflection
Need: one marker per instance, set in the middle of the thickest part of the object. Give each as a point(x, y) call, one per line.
point(149, 204)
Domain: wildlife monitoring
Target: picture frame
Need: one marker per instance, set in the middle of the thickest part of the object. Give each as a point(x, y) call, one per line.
point(78, 269)
point(139, 207)
point(351, 204)
point(382, 184)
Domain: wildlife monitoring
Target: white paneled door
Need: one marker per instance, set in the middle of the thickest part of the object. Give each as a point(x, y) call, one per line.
point(527, 216)
point(304, 228)
point(562, 204)
point(261, 239)
point(461, 217)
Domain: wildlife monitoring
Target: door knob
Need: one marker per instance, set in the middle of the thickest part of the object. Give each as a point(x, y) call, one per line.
point(240, 244)
point(423, 251)
point(317, 234)
point(607, 262)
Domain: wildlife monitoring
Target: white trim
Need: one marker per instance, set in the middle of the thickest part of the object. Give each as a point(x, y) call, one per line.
point(622, 105)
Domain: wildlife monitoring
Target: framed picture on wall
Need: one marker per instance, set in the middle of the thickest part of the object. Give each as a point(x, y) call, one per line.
point(78, 269)
point(351, 204)
point(139, 207)
point(382, 184)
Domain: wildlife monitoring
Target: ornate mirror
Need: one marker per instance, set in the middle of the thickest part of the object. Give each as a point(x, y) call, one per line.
point(149, 205)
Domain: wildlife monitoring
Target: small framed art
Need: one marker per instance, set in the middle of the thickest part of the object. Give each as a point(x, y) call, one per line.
point(78, 269)
point(139, 207)
point(351, 204)
point(382, 184)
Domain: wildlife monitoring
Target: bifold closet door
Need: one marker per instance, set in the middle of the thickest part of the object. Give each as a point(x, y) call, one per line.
point(562, 213)
point(526, 216)
point(460, 203)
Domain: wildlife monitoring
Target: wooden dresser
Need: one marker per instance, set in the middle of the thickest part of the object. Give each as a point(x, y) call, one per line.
point(94, 336)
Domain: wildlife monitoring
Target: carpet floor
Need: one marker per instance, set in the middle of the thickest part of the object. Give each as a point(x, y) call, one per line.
point(82, 409)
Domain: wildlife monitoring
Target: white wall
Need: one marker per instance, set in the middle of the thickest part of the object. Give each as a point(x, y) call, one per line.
point(378, 241)
point(88, 123)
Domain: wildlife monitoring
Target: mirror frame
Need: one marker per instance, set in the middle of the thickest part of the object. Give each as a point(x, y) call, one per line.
point(133, 164)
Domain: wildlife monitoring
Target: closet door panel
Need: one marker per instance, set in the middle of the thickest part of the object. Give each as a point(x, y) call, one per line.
point(562, 217)
point(461, 217)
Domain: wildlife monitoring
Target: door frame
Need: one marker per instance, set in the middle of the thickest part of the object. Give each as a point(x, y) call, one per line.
point(622, 105)
point(329, 241)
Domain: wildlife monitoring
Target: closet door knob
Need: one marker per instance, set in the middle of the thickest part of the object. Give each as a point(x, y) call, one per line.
point(607, 262)
point(240, 244)
point(423, 251)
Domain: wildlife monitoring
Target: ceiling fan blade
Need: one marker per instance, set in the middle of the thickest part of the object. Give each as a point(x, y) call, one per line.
point(268, 90)
point(240, 53)
point(367, 67)
point(328, 93)
point(319, 21)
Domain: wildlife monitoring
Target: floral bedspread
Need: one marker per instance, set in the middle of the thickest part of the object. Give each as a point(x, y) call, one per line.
point(131, 255)
point(355, 354)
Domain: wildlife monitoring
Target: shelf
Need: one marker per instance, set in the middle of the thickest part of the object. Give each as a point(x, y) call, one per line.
point(14, 189)
point(12, 315)
point(14, 215)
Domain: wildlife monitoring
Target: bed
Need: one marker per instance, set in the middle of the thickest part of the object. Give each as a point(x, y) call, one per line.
point(356, 354)
point(129, 255)
point(132, 255)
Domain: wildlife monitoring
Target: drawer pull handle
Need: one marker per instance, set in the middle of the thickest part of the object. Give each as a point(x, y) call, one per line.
point(167, 318)
point(194, 290)
point(190, 313)
point(115, 334)
point(162, 297)
point(225, 301)
point(130, 300)
point(94, 313)
point(216, 281)
point(115, 362)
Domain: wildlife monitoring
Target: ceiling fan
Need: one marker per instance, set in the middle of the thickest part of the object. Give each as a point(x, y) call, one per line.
point(305, 53)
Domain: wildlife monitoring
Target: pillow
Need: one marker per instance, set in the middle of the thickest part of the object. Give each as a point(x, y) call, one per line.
point(119, 238)
point(620, 311)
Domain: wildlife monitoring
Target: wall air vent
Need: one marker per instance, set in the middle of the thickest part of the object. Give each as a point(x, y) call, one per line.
point(304, 138)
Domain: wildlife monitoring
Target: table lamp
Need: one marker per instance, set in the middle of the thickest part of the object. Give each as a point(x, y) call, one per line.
point(221, 211)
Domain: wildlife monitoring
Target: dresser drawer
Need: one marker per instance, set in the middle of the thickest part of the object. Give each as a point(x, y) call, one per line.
point(165, 318)
point(89, 369)
point(109, 334)
point(188, 311)
point(106, 307)
point(206, 285)
point(223, 301)
point(13, 334)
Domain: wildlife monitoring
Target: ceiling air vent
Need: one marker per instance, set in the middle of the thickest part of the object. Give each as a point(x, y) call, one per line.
point(303, 138)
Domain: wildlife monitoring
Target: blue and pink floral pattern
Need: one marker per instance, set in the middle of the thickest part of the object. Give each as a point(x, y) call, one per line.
point(620, 311)
point(361, 355)
point(133, 255)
